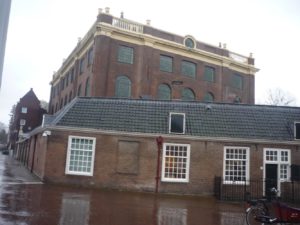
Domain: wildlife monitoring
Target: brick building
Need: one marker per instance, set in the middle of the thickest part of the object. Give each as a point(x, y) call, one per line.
point(166, 146)
point(124, 59)
point(28, 114)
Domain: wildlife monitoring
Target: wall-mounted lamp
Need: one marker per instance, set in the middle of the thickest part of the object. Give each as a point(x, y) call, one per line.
point(46, 133)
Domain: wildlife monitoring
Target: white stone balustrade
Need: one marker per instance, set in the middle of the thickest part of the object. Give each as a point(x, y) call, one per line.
point(238, 57)
point(127, 25)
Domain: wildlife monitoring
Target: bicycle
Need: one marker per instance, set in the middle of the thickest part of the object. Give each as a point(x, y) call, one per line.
point(258, 212)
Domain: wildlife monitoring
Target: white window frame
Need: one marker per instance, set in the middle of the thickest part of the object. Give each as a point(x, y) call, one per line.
point(279, 162)
point(67, 169)
point(24, 110)
point(170, 122)
point(187, 168)
point(247, 164)
point(22, 122)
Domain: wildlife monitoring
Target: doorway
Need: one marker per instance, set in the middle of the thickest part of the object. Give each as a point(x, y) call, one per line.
point(271, 178)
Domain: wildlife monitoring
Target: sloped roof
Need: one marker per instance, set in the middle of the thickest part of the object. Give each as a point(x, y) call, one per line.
point(202, 119)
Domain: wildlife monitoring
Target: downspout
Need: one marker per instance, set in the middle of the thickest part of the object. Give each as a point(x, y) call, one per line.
point(33, 154)
point(159, 142)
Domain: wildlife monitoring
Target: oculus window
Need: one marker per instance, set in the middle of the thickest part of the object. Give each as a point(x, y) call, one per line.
point(188, 69)
point(176, 162)
point(125, 55)
point(166, 63)
point(80, 156)
point(177, 123)
point(189, 42)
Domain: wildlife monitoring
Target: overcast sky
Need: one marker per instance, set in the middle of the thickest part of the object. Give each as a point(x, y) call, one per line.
point(43, 32)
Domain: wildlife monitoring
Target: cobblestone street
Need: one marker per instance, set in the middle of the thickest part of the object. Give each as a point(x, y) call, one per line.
point(25, 200)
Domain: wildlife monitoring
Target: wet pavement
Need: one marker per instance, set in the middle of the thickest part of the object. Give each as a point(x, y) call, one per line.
point(26, 201)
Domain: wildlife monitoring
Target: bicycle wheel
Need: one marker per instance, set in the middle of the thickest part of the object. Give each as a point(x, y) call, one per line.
point(254, 214)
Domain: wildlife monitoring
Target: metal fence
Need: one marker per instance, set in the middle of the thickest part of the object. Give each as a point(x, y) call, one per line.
point(253, 189)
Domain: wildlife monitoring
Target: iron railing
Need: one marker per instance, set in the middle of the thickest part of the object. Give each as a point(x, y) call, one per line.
point(253, 189)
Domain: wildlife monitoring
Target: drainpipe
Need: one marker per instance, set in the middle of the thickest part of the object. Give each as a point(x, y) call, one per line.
point(159, 142)
point(33, 154)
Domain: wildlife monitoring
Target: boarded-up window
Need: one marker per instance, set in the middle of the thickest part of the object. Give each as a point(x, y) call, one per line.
point(125, 55)
point(166, 64)
point(188, 69)
point(128, 157)
point(123, 87)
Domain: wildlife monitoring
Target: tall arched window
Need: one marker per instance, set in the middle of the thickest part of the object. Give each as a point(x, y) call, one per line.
point(87, 88)
point(164, 92)
point(79, 91)
point(187, 94)
point(123, 87)
point(209, 97)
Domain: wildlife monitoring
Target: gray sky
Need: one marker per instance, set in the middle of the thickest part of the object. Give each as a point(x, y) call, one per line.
point(43, 32)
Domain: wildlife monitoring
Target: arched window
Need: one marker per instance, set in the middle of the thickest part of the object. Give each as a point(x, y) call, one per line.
point(187, 94)
point(70, 96)
point(123, 87)
point(209, 97)
point(87, 88)
point(164, 92)
point(79, 91)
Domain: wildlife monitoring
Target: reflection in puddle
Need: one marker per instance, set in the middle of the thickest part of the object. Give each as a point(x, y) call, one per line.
point(172, 216)
point(232, 218)
point(75, 209)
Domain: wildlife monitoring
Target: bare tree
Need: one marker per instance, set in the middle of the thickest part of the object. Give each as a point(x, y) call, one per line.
point(279, 97)
point(44, 105)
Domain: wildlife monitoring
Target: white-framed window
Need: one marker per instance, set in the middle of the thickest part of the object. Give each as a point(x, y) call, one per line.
point(282, 158)
point(80, 156)
point(24, 110)
point(22, 122)
point(236, 165)
point(176, 162)
point(177, 123)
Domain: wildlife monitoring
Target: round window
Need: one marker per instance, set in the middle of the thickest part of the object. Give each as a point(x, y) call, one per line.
point(189, 43)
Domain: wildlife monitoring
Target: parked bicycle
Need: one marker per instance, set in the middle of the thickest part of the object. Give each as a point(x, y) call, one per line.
point(259, 212)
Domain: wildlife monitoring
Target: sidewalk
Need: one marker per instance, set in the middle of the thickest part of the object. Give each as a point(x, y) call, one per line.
point(13, 172)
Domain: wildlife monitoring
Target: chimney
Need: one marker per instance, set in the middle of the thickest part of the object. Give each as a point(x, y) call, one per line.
point(148, 22)
point(107, 10)
point(99, 10)
point(122, 15)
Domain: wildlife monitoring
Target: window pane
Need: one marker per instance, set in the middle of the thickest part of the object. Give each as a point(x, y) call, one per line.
point(176, 162)
point(87, 88)
point(208, 97)
point(123, 87)
point(188, 94)
point(237, 81)
point(188, 69)
point(209, 74)
point(189, 43)
point(177, 123)
point(125, 54)
point(77, 163)
point(235, 164)
point(166, 64)
point(164, 92)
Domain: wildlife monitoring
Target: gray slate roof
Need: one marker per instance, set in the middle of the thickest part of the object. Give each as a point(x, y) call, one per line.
point(202, 119)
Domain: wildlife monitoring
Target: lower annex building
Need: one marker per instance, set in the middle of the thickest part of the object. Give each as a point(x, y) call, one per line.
point(125, 59)
point(167, 146)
